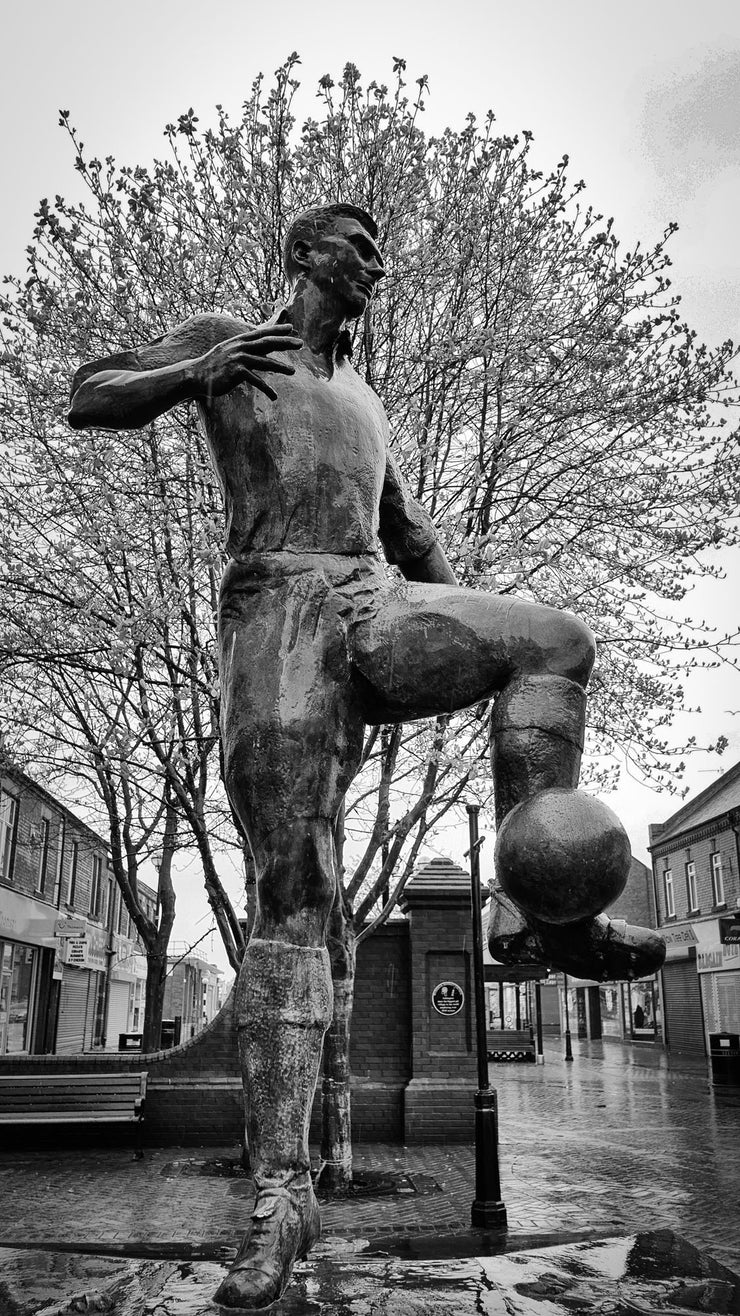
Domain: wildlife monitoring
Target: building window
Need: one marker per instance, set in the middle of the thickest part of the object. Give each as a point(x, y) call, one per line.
point(96, 885)
point(42, 871)
point(17, 996)
point(670, 904)
point(691, 892)
point(8, 830)
point(124, 921)
point(718, 884)
point(72, 880)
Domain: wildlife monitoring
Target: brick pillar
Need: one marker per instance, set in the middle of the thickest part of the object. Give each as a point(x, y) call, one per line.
point(438, 1100)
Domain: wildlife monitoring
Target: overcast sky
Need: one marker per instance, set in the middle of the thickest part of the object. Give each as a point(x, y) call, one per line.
point(643, 95)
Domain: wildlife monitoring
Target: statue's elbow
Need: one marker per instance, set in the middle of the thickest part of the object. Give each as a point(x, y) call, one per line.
point(78, 416)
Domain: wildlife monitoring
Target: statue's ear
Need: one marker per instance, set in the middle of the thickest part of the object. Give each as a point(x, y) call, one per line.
point(300, 254)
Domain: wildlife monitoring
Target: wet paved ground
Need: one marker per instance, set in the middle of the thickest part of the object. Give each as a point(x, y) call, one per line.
point(615, 1142)
point(655, 1274)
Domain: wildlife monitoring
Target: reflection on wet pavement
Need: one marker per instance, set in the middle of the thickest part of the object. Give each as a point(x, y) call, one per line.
point(644, 1275)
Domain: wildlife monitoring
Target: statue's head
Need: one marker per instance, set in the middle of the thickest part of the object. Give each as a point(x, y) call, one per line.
point(334, 247)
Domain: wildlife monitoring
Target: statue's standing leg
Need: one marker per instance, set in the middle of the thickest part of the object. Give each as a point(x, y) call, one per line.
point(284, 1006)
point(292, 740)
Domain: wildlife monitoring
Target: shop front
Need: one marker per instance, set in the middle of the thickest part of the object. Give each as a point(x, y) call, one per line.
point(718, 964)
point(631, 1011)
point(82, 998)
point(642, 1010)
point(27, 948)
point(684, 1016)
point(121, 1018)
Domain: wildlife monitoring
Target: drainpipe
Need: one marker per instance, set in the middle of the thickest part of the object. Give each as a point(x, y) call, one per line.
point(60, 860)
point(661, 984)
point(734, 817)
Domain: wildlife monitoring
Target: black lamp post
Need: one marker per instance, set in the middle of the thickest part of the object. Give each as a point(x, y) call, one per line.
point(568, 1047)
point(488, 1210)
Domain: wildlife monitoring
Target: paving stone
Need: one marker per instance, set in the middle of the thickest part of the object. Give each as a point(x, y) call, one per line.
point(602, 1144)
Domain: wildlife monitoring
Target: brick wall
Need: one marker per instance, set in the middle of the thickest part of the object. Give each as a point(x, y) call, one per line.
point(413, 1077)
point(637, 902)
point(380, 1049)
point(194, 1092)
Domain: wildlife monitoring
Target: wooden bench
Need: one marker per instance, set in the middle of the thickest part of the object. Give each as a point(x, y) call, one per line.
point(510, 1045)
point(90, 1098)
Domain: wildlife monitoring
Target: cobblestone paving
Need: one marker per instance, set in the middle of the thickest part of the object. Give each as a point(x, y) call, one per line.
point(603, 1144)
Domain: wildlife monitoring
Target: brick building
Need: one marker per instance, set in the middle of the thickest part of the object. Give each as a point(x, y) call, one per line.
point(696, 863)
point(192, 994)
point(68, 954)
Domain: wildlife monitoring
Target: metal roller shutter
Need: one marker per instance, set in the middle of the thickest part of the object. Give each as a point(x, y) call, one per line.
point(684, 1016)
point(117, 1014)
point(72, 1010)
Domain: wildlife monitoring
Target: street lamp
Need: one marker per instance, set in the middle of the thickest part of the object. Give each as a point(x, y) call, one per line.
point(488, 1210)
point(568, 1047)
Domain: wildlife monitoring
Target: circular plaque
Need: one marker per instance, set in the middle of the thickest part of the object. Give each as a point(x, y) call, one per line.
point(448, 998)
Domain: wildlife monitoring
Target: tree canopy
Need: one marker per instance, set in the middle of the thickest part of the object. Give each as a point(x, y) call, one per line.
point(559, 421)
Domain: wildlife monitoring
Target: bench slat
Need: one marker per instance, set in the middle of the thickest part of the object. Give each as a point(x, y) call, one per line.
point(87, 1098)
point(72, 1080)
point(69, 1117)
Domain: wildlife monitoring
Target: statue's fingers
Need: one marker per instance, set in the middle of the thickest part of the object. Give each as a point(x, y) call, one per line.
point(271, 330)
point(272, 344)
point(268, 363)
point(260, 384)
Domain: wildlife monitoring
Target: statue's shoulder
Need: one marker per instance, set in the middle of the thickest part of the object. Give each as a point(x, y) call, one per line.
point(191, 338)
point(204, 331)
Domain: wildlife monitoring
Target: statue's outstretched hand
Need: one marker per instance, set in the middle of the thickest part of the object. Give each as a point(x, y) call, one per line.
point(244, 359)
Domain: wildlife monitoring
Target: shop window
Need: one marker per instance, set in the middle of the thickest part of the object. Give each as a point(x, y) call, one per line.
point(96, 885)
point(42, 872)
point(17, 993)
point(643, 1011)
point(670, 902)
point(72, 880)
point(611, 1015)
point(8, 832)
point(718, 883)
point(691, 891)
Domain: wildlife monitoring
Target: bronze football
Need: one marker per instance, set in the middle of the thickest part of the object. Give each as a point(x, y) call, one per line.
point(562, 856)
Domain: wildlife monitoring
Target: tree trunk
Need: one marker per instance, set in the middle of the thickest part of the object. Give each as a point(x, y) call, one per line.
point(335, 1175)
point(156, 948)
point(156, 978)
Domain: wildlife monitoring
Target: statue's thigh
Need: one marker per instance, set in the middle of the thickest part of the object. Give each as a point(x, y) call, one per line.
point(438, 648)
point(291, 725)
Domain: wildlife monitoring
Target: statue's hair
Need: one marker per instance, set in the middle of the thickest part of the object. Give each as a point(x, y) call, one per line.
point(310, 223)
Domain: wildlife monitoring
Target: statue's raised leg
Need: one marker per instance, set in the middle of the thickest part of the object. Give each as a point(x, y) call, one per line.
point(536, 745)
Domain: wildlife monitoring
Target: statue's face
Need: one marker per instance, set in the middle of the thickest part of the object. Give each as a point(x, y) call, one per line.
point(346, 264)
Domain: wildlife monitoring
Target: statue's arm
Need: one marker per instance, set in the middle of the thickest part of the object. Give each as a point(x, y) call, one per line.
point(407, 533)
point(203, 358)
